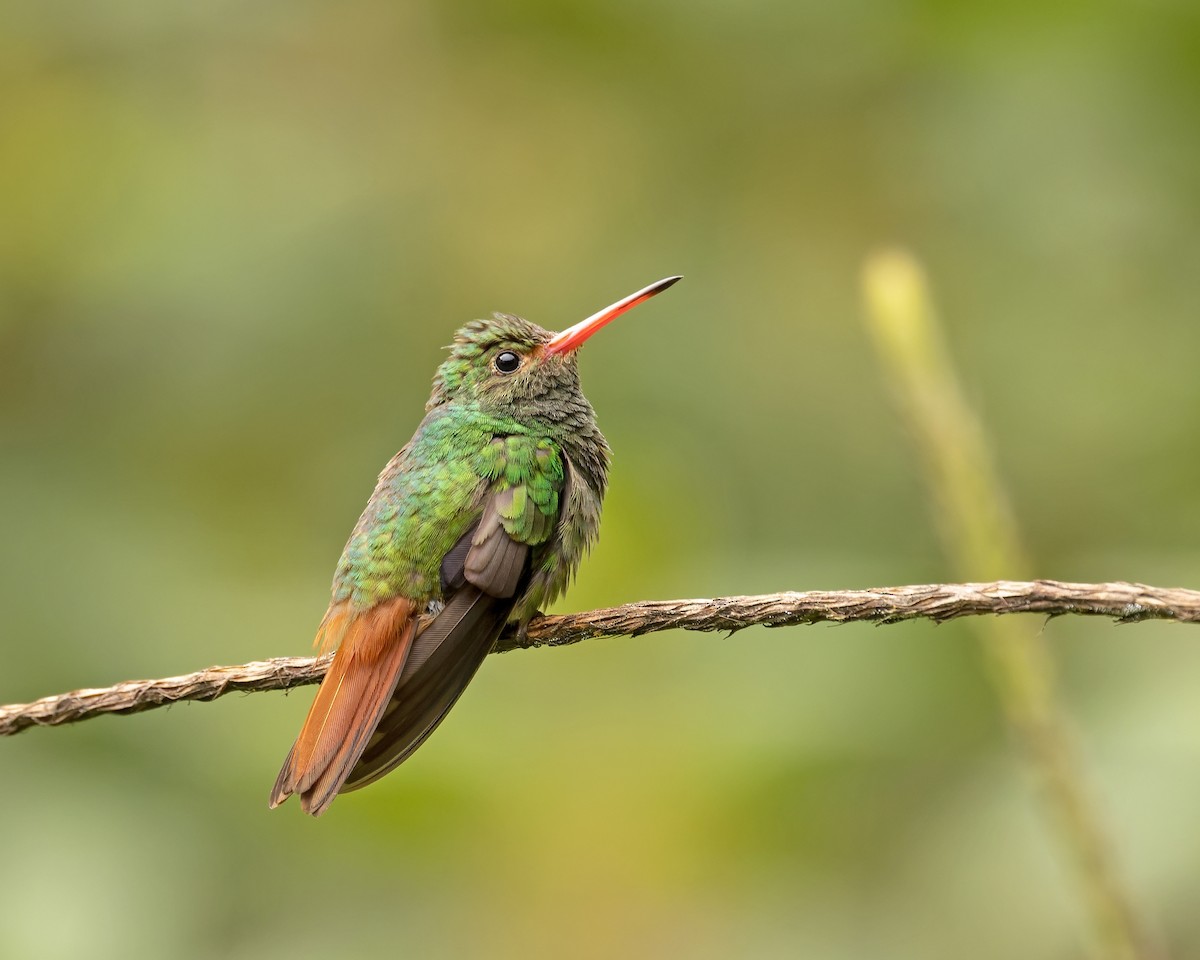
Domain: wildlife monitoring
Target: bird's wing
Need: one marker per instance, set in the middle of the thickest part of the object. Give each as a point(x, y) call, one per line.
point(482, 575)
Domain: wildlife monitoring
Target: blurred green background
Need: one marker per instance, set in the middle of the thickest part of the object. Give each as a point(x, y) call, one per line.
point(234, 239)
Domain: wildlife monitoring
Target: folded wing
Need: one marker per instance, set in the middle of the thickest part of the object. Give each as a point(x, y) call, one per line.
point(481, 576)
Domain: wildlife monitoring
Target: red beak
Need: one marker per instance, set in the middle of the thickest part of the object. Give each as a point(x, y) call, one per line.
point(573, 337)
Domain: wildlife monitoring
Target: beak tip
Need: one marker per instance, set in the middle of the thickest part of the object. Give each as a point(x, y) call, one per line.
point(573, 337)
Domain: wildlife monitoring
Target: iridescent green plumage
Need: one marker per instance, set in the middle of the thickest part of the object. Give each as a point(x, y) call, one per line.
point(485, 433)
point(480, 519)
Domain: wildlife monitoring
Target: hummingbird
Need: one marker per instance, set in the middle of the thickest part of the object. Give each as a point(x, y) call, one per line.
point(477, 522)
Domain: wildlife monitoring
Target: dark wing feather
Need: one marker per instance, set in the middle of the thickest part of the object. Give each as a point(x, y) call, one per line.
point(496, 562)
point(453, 571)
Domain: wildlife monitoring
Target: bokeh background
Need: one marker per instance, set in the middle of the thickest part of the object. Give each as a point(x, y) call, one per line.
point(234, 238)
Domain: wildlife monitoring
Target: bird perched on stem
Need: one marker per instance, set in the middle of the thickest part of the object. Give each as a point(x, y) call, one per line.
point(478, 521)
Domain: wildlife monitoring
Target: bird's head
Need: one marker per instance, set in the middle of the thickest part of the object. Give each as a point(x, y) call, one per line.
point(505, 364)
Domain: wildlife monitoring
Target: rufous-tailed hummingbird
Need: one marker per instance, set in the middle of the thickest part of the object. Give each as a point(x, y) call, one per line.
point(478, 521)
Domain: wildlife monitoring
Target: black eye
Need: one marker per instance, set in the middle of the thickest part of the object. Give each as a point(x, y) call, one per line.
point(507, 362)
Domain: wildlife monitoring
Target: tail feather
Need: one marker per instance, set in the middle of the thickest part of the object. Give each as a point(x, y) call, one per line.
point(350, 701)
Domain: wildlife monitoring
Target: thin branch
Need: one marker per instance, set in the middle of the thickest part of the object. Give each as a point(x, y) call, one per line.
point(1123, 602)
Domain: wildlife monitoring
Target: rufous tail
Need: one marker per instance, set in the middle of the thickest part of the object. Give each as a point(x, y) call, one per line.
point(372, 648)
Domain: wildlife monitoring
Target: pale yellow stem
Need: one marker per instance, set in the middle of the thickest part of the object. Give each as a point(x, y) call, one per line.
point(982, 541)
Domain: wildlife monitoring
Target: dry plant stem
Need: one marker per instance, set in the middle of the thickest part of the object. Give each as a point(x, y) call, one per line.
point(1123, 602)
point(982, 539)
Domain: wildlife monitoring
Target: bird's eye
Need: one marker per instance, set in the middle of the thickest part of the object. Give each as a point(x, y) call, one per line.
point(507, 362)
